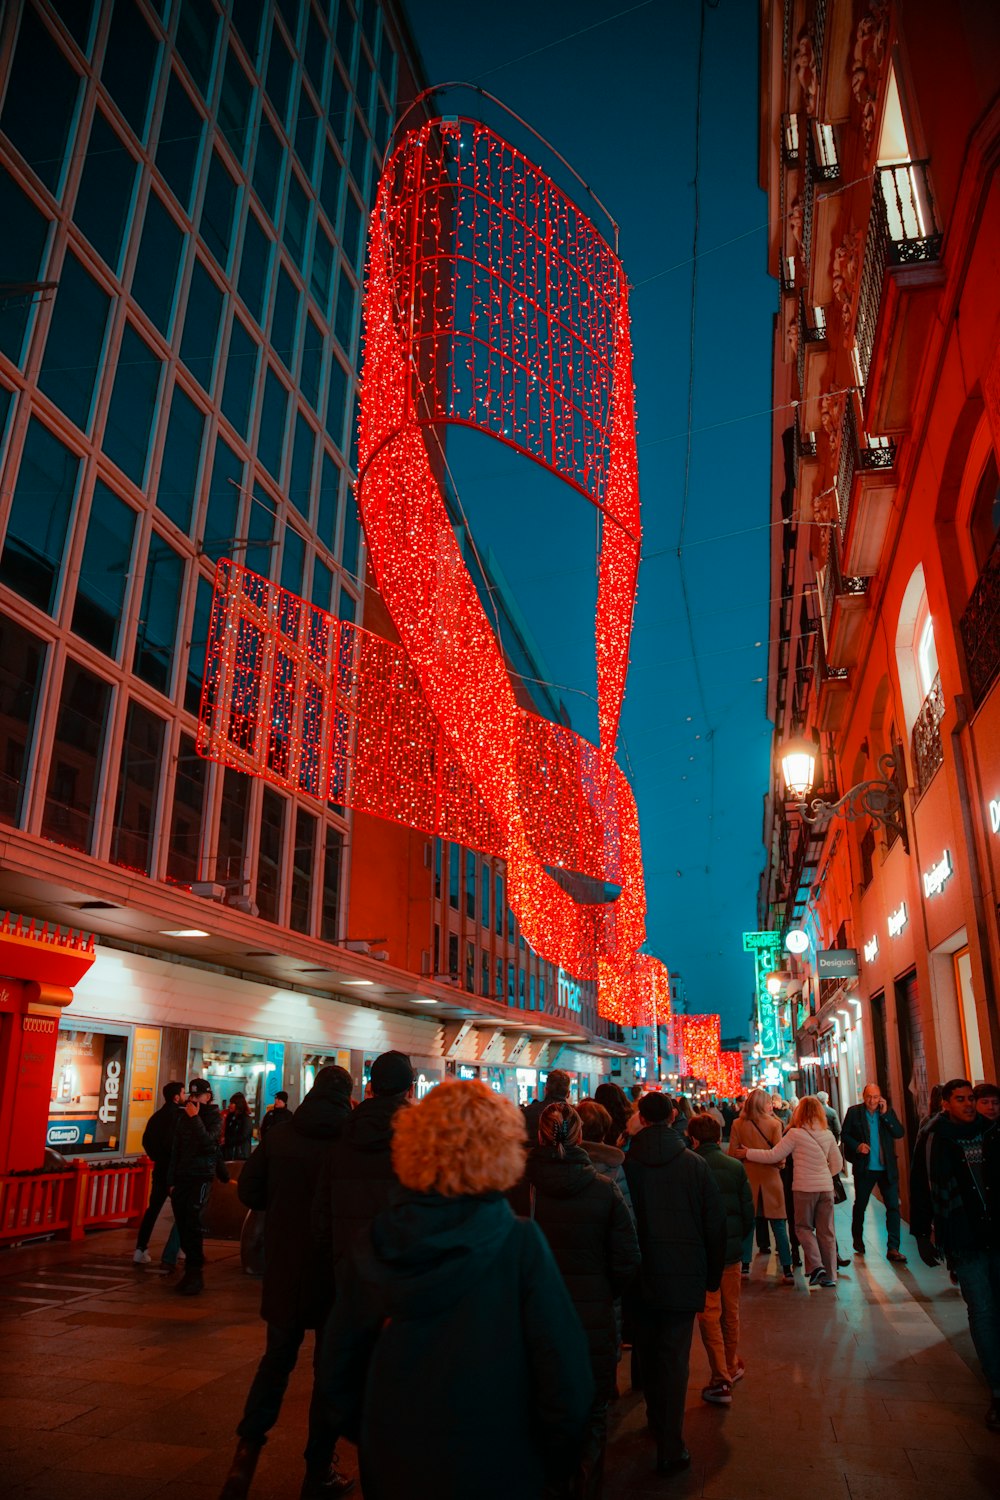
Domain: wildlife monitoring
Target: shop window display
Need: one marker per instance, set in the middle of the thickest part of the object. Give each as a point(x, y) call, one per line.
point(238, 1065)
point(88, 1102)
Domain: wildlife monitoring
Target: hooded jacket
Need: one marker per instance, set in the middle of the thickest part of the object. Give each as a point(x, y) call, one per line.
point(196, 1145)
point(281, 1177)
point(592, 1236)
point(946, 1195)
point(454, 1357)
point(610, 1163)
point(734, 1185)
point(681, 1221)
point(358, 1180)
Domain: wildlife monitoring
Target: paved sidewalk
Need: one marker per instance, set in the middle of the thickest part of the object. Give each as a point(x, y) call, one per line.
point(115, 1387)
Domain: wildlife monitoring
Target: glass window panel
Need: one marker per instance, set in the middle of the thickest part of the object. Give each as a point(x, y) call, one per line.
point(197, 24)
point(359, 153)
point(337, 402)
point(387, 66)
point(326, 503)
point(267, 167)
point(202, 321)
point(322, 268)
point(470, 884)
point(498, 989)
point(470, 967)
point(216, 226)
point(306, 131)
point(290, 10)
point(312, 361)
point(246, 23)
point(269, 849)
point(104, 571)
point(75, 16)
point(352, 533)
point(105, 192)
point(75, 342)
point(286, 311)
point(363, 88)
point(300, 482)
point(22, 661)
point(369, 22)
point(279, 74)
point(498, 904)
point(353, 218)
point(231, 849)
point(77, 757)
point(340, 106)
point(25, 231)
point(333, 857)
point(315, 51)
point(296, 220)
point(180, 140)
point(484, 983)
point(345, 34)
point(255, 263)
point(343, 317)
point(178, 486)
point(133, 401)
point(329, 193)
point(161, 599)
point(510, 984)
point(201, 624)
point(187, 812)
point(347, 609)
point(235, 102)
point(36, 116)
point(383, 122)
point(303, 859)
point(156, 265)
point(260, 533)
point(322, 586)
point(39, 517)
point(138, 789)
point(222, 513)
point(273, 414)
point(484, 914)
point(453, 875)
point(241, 374)
point(129, 61)
point(293, 561)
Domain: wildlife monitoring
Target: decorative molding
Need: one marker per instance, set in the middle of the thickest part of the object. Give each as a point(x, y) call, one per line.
point(845, 272)
point(866, 66)
point(804, 69)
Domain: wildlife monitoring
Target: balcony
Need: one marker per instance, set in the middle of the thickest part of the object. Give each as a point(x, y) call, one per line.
point(866, 486)
point(844, 602)
point(925, 744)
point(980, 627)
point(832, 685)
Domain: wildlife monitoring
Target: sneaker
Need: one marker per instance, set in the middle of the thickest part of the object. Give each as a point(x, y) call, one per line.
point(787, 1276)
point(719, 1393)
point(737, 1375)
point(325, 1484)
point(815, 1277)
point(745, 1268)
point(674, 1465)
point(896, 1256)
point(826, 1280)
point(859, 1247)
point(141, 1258)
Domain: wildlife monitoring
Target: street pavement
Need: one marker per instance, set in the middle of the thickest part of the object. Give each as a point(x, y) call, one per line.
point(116, 1389)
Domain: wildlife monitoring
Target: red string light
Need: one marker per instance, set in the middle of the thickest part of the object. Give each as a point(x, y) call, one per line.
point(701, 1044)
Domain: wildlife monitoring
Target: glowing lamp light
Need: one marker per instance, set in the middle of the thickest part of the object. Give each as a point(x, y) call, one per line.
point(775, 980)
point(798, 758)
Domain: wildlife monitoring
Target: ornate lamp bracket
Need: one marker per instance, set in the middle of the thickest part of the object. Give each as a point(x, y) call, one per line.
point(880, 799)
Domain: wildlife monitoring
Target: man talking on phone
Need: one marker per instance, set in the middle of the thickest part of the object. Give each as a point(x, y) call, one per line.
point(192, 1168)
point(869, 1135)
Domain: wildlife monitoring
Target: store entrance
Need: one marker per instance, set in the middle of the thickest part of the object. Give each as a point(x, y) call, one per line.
point(238, 1065)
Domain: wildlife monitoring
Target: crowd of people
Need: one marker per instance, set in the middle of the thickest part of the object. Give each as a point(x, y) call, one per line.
point(422, 1242)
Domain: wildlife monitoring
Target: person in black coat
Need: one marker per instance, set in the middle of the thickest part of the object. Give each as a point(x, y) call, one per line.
point(194, 1161)
point(557, 1086)
point(455, 1358)
point(592, 1236)
point(358, 1178)
point(868, 1137)
point(281, 1178)
point(158, 1144)
point(237, 1137)
point(681, 1221)
point(278, 1114)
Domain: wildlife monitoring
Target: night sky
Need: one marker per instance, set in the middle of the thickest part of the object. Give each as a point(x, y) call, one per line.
point(617, 97)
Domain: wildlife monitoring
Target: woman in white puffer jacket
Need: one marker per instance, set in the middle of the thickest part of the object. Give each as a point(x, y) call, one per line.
point(815, 1158)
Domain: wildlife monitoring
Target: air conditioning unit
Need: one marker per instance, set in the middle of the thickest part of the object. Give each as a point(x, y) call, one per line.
point(447, 979)
point(425, 962)
point(245, 904)
point(381, 954)
point(210, 890)
point(357, 945)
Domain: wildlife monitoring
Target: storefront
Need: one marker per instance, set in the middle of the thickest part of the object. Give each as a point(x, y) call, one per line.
point(104, 1088)
point(243, 1065)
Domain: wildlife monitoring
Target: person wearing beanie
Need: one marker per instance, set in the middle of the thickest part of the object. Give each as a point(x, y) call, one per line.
point(358, 1179)
point(557, 1087)
point(281, 1178)
point(278, 1114)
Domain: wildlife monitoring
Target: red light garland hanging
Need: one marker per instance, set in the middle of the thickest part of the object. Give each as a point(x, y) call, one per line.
point(702, 1044)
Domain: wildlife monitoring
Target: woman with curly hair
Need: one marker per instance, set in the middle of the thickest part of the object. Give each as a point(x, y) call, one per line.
point(618, 1107)
point(453, 1339)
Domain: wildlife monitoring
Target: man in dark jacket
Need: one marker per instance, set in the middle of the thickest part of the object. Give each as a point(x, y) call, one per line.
point(358, 1179)
point(193, 1164)
point(868, 1137)
point(557, 1086)
point(158, 1144)
point(955, 1195)
point(682, 1235)
point(720, 1322)
point(281, 1177)
point(278, 1114)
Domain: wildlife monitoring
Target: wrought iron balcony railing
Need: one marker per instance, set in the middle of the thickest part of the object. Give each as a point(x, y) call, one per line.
point(855, 454)
point(902, 231)
point(926, 744)
point(980, 627)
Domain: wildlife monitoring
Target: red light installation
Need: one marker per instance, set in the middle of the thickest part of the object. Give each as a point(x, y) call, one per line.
point(493, 302)
point(729, 1074)
point(702, 1044)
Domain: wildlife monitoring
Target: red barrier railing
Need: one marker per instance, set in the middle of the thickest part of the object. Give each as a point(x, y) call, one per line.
point(66, 1204)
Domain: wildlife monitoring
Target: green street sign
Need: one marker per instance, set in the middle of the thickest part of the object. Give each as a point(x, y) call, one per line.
point(754, 941)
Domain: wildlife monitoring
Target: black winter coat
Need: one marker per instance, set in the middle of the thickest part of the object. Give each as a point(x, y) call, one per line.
point(275, 1117)
point(455, 1359)
point(734, 1185)
point(680, 1218)
point(854, 1133)
point(158, 1136)
point(533, 1113)
point(358, 1181)
point(237, 1136)
point(281, 1177)
point(196, 1144)
point(591, 1234)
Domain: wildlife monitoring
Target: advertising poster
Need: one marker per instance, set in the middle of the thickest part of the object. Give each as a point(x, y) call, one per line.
point(87, 1101)
point(142, 1091)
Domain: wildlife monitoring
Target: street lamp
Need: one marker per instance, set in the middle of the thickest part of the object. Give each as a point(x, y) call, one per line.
point(775, 980)
point(880, 798)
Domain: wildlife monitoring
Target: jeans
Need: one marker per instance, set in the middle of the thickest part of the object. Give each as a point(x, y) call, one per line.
point(268, 1389)
point(664, 1343)
point(978, 1273)
point(817, 1236)
point(159, 1192)
point(864, 1183)
point(189, 1198)
point(719, 1325)
point(781, 1244)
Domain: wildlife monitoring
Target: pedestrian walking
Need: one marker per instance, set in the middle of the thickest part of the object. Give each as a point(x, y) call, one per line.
point(619, 1107)
point(592, 1235)
point(869, 1135)
point(757, 1126)
point(595, 1123)
point(281, 1178)
point(455, 1358)
point(158, 1144)
point(987, 1097)
point(557, 1086)
point(719, 1323)
point(681, 1222)
point(955, 1214)
point(278, 1114)
point(832, 1117)
point(237, 1134)
point(816, 1157)
point(193, 1165)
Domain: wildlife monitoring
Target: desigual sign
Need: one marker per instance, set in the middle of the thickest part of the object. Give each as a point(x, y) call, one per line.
point(936, 878)
point(898, 920)
point(995, 814)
